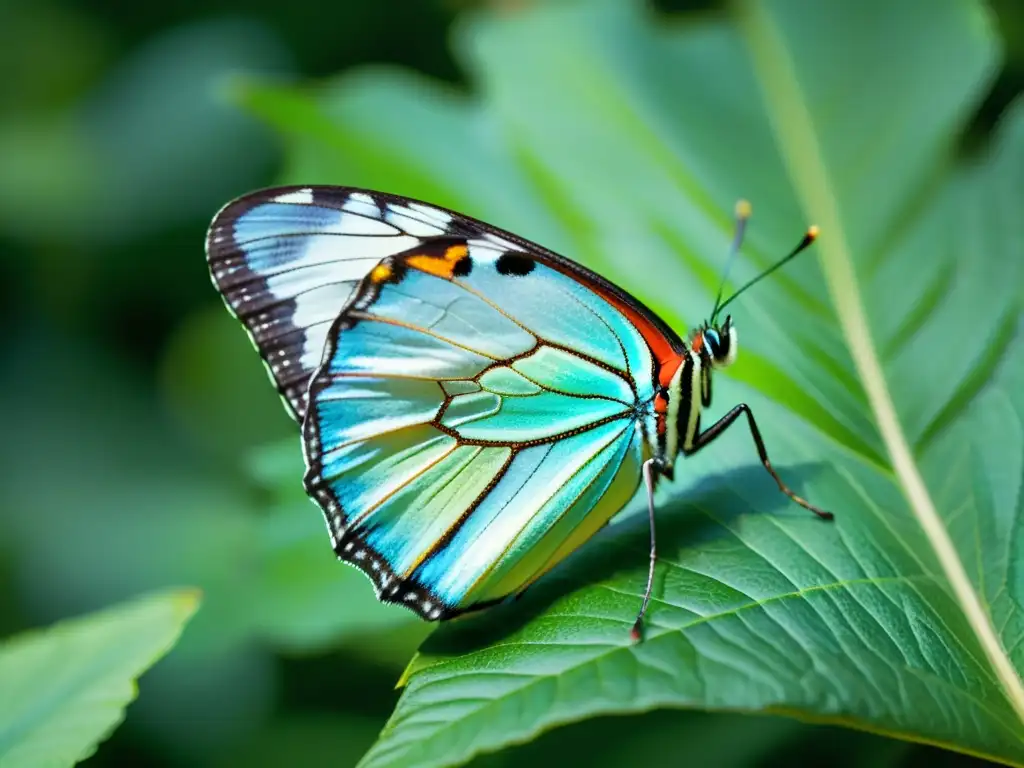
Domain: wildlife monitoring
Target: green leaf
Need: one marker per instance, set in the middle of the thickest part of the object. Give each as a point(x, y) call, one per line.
point(802, 131)
point(722, 740)
point(638, 136)
point(66, 687)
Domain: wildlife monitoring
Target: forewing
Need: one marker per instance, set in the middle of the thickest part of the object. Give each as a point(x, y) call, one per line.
point(478, 414)
point(286, 261)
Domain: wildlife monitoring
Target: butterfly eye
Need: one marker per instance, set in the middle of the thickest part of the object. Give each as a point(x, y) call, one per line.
point(713, 341)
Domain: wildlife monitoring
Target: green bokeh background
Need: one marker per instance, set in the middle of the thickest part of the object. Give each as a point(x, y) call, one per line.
point(133, 409)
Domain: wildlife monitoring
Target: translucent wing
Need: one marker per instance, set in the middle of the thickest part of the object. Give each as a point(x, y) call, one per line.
point(287, 260)
point(482, 409)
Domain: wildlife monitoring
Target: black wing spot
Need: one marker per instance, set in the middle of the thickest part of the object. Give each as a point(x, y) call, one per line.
point(463, 267)
point(517, 264)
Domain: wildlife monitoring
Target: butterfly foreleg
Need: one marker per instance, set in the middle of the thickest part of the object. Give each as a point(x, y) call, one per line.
point(716, 429)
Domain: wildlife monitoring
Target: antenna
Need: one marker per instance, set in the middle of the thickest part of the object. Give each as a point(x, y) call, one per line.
point(743, 211)
point(809, 237)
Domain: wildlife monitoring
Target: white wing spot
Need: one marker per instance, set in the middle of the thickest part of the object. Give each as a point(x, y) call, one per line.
point(502, 242)
point(412, 221)
point(483, 252)
point(362, 203)
point(303, 196)
point(440, 217)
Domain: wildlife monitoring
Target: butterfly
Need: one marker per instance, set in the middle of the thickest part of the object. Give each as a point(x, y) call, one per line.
point(474, 407)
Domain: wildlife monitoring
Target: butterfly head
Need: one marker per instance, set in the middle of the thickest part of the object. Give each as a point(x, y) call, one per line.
point(717, 344)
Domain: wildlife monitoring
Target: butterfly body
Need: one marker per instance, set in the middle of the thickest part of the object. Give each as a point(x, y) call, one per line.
point(474, 407)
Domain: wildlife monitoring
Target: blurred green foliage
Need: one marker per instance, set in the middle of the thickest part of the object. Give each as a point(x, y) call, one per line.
point(143, 446)
point(65, 687)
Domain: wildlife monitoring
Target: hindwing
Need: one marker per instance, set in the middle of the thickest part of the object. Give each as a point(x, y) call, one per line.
point(479, 413)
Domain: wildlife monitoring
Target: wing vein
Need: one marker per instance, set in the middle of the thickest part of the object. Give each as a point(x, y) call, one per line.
point(355, 521)
point(546, 341)
point(512, 539)
point(360, 315)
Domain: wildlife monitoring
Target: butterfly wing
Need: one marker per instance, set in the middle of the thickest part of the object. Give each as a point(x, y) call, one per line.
point(482, 409)
point(286, 261)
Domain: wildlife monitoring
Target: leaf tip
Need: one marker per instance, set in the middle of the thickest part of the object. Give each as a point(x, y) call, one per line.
point(415, 663)
point(186, 601)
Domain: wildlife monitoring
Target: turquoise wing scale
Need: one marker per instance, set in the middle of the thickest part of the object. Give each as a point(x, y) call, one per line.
point(482, 406)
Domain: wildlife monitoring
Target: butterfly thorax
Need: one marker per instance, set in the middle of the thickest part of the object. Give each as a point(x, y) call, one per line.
point(689, 389)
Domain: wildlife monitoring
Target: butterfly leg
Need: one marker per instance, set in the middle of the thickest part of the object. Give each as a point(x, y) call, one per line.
point(716, 429)
point(651, 469)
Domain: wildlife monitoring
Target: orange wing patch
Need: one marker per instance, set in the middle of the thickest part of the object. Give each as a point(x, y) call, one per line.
point(444, 265)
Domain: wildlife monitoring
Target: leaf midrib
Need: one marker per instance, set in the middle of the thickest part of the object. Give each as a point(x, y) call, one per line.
point(801, 149)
